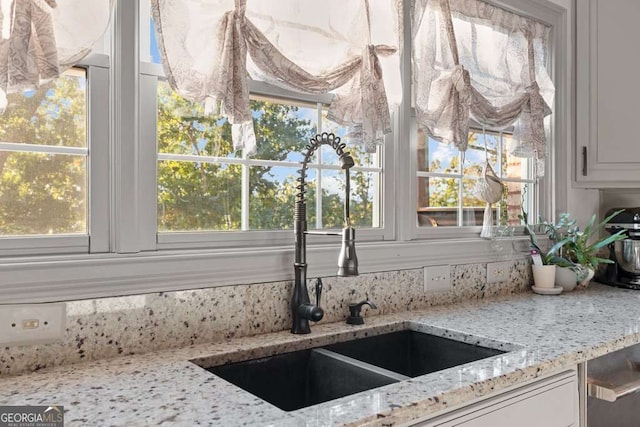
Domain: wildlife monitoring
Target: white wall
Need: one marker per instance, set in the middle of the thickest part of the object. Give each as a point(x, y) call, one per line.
point(623, 198)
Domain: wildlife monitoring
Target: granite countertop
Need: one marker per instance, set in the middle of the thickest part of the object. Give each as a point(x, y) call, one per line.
point(541, 334)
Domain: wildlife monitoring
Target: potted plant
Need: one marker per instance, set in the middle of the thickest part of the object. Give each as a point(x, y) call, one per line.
point(584, 247)
point(544, 274)
point(579, 252)
point(567, 272)
point(553, 255)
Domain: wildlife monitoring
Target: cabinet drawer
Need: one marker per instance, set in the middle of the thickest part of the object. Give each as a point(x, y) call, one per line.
point(551, 403)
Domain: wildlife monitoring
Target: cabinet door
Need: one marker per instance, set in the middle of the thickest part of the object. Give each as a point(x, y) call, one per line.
point(608, 93)
point(549, 403)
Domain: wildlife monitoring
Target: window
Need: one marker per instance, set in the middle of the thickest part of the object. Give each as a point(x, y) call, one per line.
point(137, 190)
point(446, 195)
point(54, 158)
point(204, 185)
point(206, 190)
point(494, 65)
point(43, 159)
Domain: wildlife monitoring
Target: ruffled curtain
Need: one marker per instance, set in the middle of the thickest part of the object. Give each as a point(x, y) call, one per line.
point(348, 48)
point(474, 60)
point(41, 38)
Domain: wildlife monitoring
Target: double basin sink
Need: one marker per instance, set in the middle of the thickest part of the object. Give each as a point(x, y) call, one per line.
point(303, 378)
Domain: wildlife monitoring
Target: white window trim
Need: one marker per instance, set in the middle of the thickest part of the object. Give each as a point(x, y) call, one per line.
point(98, 70)
point(68, 277)
point(128, 164)
point(65, 278)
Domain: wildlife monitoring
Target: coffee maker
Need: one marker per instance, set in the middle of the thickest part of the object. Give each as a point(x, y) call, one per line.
point(625, 254)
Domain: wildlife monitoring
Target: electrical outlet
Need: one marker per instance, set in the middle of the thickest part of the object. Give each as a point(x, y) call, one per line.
point(25, 324)
point(498, 271)
point(437, 278)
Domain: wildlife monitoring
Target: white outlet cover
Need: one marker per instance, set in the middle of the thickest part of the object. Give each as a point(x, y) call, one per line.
point(437, 278)
point(26, 324)
point(498, 271)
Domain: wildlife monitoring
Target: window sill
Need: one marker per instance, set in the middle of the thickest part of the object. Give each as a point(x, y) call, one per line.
point(71, 277)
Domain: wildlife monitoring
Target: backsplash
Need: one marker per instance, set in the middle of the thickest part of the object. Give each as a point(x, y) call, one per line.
point(108, 327)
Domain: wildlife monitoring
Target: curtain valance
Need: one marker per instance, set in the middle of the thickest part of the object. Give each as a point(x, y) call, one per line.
point(475, 60)
point(348, 48)
point(41, 38)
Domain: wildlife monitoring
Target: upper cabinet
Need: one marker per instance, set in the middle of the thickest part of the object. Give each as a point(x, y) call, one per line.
point(608, 93)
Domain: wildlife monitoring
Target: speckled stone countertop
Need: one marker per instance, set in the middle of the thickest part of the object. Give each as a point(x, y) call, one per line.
point(541, 334)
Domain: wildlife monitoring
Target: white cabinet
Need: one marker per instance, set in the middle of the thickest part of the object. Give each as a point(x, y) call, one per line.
point(552, 402)
point(607, 150)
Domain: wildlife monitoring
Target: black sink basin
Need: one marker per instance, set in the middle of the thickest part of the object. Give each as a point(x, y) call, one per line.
point(303, 378)
point(412, 353)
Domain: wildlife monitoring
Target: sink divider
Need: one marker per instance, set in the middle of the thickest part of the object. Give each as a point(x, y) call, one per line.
point(360, 364)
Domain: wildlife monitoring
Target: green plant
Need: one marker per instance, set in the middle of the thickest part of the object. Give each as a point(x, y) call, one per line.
point(584, 246)
point(553, 255)
point(571, 247)
point(579, 249)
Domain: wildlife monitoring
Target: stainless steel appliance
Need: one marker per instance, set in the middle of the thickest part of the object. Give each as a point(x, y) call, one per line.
point(625, 254)
point(613, 389)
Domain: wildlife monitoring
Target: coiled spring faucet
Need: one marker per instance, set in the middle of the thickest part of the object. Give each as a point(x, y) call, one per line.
point(301, 308)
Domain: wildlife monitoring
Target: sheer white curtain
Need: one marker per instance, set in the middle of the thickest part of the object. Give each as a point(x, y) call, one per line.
point(41, 38)
point(471, 59)
point(349, 48)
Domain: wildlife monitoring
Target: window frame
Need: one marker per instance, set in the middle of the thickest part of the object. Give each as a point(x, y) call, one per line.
point(125, 259)
point(551, 189)
point(150, 74)
point(96, 67)
point(531, 206)
point(266, 238)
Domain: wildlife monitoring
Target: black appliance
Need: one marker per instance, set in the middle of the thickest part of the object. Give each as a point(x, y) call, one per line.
point(625, 254)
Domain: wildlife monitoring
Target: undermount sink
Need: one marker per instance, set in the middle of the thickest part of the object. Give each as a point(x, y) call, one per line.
point(303, 378)
point(412, 353)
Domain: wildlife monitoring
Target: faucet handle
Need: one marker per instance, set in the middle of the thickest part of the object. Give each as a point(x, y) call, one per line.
point(355, 318)
point(318, 291)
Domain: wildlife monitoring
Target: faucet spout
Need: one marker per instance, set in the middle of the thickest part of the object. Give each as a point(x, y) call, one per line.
point(302, 311)
point(347, 260)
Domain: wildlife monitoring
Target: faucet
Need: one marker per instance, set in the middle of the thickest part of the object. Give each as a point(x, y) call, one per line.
point(301, 308)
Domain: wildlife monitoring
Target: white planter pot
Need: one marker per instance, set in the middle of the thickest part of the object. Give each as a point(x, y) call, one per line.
point(566, 278)
point(544, 276)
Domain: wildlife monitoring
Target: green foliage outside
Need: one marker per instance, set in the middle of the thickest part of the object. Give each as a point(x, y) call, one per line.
point(443, 192)
point(44, 193)
point(207, 196)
